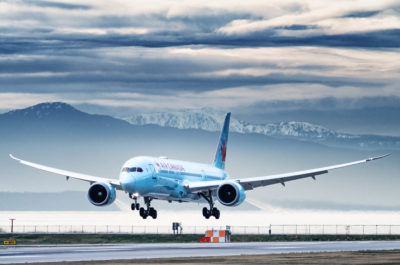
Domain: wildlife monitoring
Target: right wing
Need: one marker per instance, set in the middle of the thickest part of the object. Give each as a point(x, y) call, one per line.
point(69, 174)
point(251, 183)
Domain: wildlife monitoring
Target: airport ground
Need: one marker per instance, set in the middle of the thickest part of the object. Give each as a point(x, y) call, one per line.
point(334, 258)
point(42, 239)
point(266, 249)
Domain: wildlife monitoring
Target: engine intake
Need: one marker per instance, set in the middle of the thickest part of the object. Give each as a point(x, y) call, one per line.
point(101, 194)
point(230, 193)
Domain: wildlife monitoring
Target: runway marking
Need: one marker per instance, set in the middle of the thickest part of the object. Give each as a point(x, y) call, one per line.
point(20, 256)
point(283, 247)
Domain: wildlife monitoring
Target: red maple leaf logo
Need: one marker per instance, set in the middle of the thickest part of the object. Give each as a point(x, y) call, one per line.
point(223, 151)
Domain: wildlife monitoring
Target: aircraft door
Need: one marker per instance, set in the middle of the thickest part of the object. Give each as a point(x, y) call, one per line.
point(153, 173)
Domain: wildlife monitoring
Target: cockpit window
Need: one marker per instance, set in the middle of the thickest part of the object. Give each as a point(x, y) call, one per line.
point(132, 169)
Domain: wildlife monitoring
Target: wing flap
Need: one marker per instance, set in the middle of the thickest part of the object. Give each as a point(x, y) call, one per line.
point(115, 183)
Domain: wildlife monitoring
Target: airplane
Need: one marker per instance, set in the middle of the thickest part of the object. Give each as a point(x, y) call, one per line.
point(160, 178)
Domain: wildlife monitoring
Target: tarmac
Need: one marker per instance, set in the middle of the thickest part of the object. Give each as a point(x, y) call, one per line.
point(58, 253)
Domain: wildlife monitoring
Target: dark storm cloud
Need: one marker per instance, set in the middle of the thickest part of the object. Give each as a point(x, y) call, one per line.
point(60, 5)
point(80, 66)
point(297, 27)
point(360, 14)
point(375, 39)
point(162, 79)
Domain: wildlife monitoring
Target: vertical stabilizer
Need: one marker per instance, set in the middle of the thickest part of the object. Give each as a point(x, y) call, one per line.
point(220, 154)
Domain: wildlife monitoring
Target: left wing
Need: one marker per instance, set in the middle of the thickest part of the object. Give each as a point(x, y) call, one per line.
point(251, 183)
point(115, 183)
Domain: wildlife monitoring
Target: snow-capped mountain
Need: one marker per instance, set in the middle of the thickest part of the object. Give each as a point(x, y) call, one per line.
point(210, 120)
point(49, 119)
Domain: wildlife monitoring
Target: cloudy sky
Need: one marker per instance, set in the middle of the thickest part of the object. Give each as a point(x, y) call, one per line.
point(158, 55)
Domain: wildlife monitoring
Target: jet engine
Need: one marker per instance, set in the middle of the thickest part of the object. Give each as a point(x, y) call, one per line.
point(101, 194)
point(230, 193)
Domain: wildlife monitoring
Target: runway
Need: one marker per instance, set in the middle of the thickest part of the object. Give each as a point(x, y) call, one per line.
point(30, 254)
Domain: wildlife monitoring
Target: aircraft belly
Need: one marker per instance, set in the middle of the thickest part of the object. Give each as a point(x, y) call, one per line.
point(168, 186)
point(165, 188)
point(167, 197)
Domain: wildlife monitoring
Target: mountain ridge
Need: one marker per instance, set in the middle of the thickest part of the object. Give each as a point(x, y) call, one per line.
point(65, 116)
point(209, 120)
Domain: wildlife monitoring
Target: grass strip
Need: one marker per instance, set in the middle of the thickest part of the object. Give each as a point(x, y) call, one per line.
point(40, 239)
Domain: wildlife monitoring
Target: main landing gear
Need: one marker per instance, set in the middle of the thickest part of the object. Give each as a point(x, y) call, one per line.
point(144, 213)
point(213, 211)
point(149, 211)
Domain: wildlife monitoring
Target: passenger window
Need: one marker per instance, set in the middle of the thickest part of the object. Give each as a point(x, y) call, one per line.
point(132, 169)
point(139, 169)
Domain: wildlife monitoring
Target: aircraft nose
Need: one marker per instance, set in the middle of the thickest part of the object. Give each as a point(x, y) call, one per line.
point(128, 182)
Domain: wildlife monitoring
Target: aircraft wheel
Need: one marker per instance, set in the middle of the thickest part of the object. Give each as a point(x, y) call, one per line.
point(205, 211)
point(142, 212)
point(133, 206)
point(153, 213)
point(137, 206)
point(215, 213)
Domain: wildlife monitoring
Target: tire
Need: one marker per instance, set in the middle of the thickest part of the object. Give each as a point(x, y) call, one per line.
point(214, 212)
point(217, 214)
point(133, 206)
point(205, 211)
point(137, 206)
point(142, 212)
point(153, 213)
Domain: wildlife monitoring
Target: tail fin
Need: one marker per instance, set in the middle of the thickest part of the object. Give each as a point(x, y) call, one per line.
point(220, 154)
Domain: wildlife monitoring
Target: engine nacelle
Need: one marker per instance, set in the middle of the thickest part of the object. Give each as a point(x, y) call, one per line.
point(101, 194)
point(231, 193)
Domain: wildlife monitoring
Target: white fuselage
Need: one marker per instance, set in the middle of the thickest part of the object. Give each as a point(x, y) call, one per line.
point(165, 179)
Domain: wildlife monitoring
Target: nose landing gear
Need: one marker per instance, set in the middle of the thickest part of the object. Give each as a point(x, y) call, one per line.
point(135, 205)
point(213, 211)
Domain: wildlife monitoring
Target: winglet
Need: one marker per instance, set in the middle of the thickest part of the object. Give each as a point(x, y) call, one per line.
point(378, 157)
point(13, 157)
